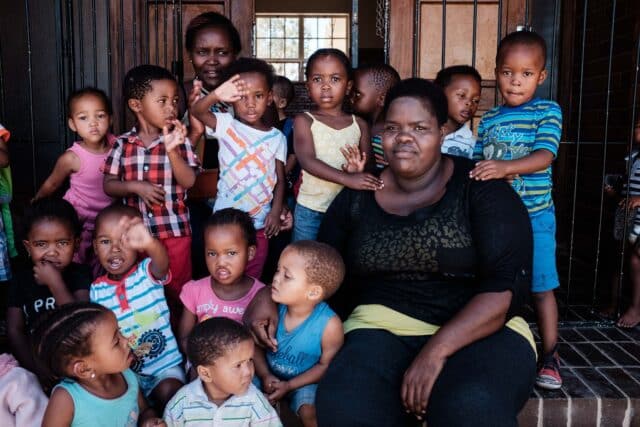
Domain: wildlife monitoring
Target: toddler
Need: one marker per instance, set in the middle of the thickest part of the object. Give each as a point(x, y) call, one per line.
point(22, 402)
point(252, 154)
point(519, 140)
point(133, 291)
point(461, 85)
point(81, 345)
point(230, 243)
point(319, 138)
point(309, 333)
point(89, 115)
point(370, 86)
point(283, 94)
point(222, 352)
point(7, 238)
point(52, 234)
point(153, 165)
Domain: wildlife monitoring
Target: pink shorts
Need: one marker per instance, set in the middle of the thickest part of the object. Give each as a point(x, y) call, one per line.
point(179, 251)
point(255, 266)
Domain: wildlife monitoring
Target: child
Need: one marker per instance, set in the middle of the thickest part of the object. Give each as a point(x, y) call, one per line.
point(7, 240)
point(22, 402)
point(283, 93)
point(370, 86)
point(521, 138)
point(52, 233)
point(90, 113)
point(461, 85)
point(319, 138)
point(309, 333)
point(133, 291)
point(222, 352)
point(151, 167)
point(252, 154)
point(230, 243)
point(81, 345)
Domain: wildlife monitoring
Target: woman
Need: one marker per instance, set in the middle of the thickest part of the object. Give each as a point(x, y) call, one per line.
point(438, 266)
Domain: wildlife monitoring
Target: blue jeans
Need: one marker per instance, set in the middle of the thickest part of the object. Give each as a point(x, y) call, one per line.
point(306, 223)
point(545, 273)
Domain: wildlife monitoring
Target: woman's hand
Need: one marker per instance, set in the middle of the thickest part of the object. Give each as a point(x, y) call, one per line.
point(418, 381)
point(261, 317)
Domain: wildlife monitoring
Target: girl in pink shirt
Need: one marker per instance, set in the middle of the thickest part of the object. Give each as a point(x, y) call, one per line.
point(229, 245)
point(90, 117)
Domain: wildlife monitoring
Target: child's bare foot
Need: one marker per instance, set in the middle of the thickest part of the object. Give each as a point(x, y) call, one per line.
point(630, 318)
point(608, 312)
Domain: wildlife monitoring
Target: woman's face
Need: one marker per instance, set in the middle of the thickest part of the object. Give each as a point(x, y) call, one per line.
point(411, 137)
point(212, 52)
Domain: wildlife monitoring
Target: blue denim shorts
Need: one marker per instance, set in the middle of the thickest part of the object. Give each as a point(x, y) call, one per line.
point(545, 273)
point(148, 382)
point(306, 223)
point(305, 395)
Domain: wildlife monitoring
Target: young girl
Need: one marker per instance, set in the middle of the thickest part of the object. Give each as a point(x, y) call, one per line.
point(230, 243)
point(81, 344)
point(90, 117)
point(52, 232)
point(318, 138)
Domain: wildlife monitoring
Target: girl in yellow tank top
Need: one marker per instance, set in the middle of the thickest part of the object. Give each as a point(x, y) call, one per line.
point(320, 139)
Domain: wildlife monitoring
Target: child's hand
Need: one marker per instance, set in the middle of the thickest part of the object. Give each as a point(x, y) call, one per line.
point(46, 274)
point(267, 383)
point(232, 90)
point(195, 125)
point(280, 390)
point(150, 193)
point(363, 181)
point(135, 235)
point(634, 202)
point(176, 137)
point(511, 178)
point(356, 160)
point(489, 169)
point(609, 191)
point(286, 219)
point(153, 422)
point(272, 224)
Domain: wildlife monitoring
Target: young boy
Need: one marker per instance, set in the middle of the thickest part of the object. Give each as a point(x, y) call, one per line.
point(152, 166)
point(283, 94)
point(370, 86)
point(309, 333)
point(519, 141)
point(134, 292)
point(222, 352)
point(252, 154)
point(461, 85)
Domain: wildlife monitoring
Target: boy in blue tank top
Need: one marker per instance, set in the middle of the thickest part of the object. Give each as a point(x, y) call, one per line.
point(518, 141)
point(309, 333)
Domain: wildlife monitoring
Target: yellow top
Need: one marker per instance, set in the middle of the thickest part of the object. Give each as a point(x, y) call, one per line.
point(316, 193)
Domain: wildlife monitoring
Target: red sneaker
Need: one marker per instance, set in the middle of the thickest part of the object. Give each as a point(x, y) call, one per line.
point(549, 375)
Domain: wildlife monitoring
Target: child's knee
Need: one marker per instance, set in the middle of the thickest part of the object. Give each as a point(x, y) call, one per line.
point(307, 414)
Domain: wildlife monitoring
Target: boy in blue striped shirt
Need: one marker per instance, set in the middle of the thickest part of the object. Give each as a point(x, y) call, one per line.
point(518, 141)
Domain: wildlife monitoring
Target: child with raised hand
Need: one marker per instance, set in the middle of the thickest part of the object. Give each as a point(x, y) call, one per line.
point(370, 86)
point(52, 234)
point(152, 166)
point(134, 292)
point(89, 115)
point(252, 154)
point(82, 347)
point(230, 243)
point(520, 139)
point(222, 352)
point(462, 86)
point(318, 138)
point(309, 333)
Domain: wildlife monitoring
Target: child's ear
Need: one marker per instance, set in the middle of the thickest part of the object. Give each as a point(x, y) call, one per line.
point(315, 293)
point(380, 100)
point(270, 98)
point(543, 76)
point(80, 369)
point(72, 125)
point(252, 252)
point(135, 105)
point(349, 86)
point(27, 247)
point(204, 374)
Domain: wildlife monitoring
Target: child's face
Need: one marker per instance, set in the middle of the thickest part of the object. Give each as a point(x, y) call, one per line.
point(116, 258)
point(636, 133)
point(328, 82)
point(365, 96)
point(230, 374)
point(89, 118)
point(280, 102)
point(159, 106)
point(463, 97)
point(226, 253)
point(51, 241)
point(290, 284)
point(519, 73)
point(110, 351)
point(212, 52)
point(250, 109)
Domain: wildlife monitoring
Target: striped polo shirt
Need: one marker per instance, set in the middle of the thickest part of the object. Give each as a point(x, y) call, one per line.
point(139, 304)
point(510, 133)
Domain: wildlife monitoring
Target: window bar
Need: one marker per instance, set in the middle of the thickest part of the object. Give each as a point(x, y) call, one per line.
point(134, 31)
point(554, 41)
point(81, 41)
point(107, 15)
point(70, 43)
point(416, 35)
point(386, 31)
point(2, 83)
point(604, 150)
point(123, 114)
point(498, 38)
point(475, 30)
point(166, 59)
point(94, 43)
point(354, 33)
point(444, 32)
point(156, 31)
point(147, 49)
point(527, 26)
point(177, 19)
point(30, 80)
point(577, 166)
point(62, 64)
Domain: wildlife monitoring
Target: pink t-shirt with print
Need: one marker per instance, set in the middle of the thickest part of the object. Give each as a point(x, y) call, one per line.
point(198, 297)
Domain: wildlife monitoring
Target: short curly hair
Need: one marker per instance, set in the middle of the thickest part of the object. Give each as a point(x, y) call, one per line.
point(212, 338)
point(137, 81)
point(212, 20)
point(250, 65)
point(527, 38)
point(431, 95)
point(323, 264)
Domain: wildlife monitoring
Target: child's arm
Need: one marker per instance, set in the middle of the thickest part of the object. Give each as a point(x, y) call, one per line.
point(332, 339)
point(60, 409)
point(4, 153)
point(365, 144)
point(272, 223)
point(149, 193)
point(18, 342)
point(66, 164)
point(148, 416)
point(46, 274)
point(230, 91)
point(137, 237)
point(182, 171)
point(196, 127)
point(498, 169)
point(263, 372)
point(187, 323)
point(306, 154)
